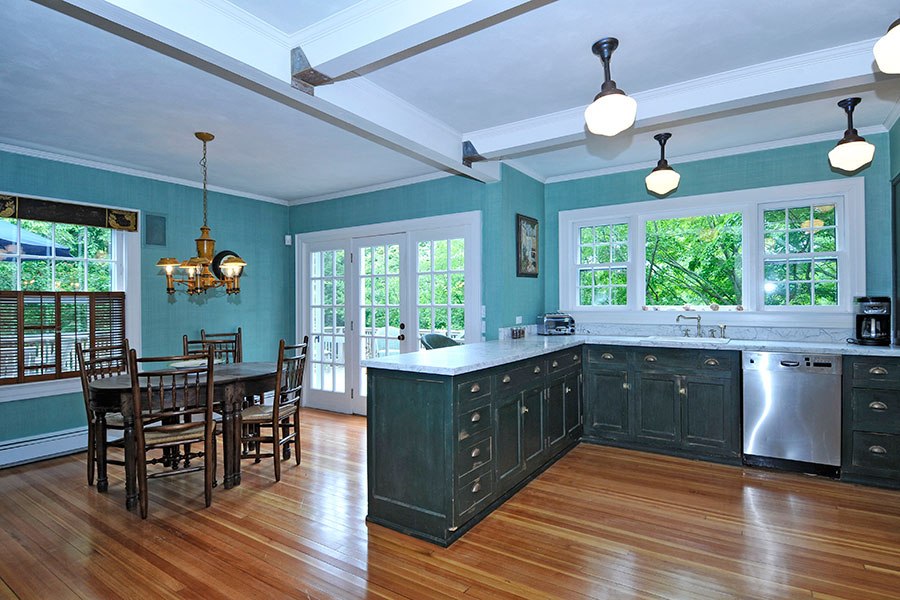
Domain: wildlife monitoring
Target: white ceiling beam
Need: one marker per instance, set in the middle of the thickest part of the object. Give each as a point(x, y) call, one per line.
point(371, 31)
point(782, 80)
point(127, 25)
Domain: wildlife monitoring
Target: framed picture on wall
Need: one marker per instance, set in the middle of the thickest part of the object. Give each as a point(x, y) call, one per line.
point(526, 246)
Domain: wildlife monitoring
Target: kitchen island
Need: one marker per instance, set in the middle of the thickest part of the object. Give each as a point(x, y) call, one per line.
point(454, 432)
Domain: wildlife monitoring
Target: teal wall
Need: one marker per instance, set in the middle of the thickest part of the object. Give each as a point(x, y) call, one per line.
point(895, 149)
point(781, 166)
point(504, 295)
point(264, 308)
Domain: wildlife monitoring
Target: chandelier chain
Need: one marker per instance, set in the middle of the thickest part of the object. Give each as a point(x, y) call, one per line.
point(203, 170)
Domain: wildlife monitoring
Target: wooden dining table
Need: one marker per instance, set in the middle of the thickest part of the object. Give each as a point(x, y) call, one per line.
point(233, 383)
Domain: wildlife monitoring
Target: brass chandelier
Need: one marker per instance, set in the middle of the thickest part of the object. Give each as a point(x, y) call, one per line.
point(207, 269)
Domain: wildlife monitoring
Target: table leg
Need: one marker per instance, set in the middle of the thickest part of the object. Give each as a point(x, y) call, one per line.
point(131, 495)
point(236, 445)
point(100, 451)
point(228, 445)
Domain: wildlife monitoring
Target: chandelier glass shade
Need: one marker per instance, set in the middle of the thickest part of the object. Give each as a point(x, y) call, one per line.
point(663, 178)
point(887, 50)
point(612, 111)
point(853, 152)
point(206, 270)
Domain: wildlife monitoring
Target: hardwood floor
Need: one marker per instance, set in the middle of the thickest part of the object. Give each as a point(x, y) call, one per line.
point(600, 523)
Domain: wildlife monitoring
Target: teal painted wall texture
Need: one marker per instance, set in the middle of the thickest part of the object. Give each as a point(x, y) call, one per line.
point(895, 149)
point(265, 307)
point(780, 166)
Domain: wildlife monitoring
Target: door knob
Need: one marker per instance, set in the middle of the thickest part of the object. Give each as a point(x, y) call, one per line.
point(401, 337)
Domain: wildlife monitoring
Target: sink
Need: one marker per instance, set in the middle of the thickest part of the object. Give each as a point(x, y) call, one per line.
point(678, 339)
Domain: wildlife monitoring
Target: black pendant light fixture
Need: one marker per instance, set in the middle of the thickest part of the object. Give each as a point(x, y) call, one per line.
point(887, 50)
point(662, 179)
point(612, 111)
point(853, 152)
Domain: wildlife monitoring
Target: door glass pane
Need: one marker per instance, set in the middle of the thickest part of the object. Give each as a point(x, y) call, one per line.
point(326, 319)
point(441, 281)
point(379, 305)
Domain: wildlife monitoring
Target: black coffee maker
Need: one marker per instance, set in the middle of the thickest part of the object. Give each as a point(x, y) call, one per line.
point(873, 320)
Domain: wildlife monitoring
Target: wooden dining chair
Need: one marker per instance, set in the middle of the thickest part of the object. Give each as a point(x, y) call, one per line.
point(229, 344)
point(173, 409)
point(278, 423)
point(98, 363)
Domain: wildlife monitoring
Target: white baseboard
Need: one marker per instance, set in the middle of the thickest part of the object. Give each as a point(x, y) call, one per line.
point(39, 447)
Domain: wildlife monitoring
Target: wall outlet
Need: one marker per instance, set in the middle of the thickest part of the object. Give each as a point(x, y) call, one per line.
point(482, 311)
point(288, 240)
point(519, 320)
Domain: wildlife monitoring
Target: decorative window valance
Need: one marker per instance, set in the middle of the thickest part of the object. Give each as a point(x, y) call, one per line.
point(21, 207)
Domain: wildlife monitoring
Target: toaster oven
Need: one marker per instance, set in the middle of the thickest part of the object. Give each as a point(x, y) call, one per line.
point(556, 324)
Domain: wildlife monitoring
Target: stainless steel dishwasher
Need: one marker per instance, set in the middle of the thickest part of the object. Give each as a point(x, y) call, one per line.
point(792, 411)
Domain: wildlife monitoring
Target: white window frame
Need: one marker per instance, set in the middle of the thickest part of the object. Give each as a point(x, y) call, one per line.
point(847, 194)
point(126, 278)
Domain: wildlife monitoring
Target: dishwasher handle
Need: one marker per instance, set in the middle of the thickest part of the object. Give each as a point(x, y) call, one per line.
point(790, 363)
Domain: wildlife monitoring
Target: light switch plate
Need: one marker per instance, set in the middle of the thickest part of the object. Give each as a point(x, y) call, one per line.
point(519, 320)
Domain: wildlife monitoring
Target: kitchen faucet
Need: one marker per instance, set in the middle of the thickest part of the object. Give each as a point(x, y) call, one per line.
point(691, 317)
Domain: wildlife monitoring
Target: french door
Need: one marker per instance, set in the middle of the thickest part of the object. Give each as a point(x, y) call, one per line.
point(366, 293)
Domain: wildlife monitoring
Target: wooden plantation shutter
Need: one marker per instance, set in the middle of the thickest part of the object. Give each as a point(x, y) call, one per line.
point(38, 331)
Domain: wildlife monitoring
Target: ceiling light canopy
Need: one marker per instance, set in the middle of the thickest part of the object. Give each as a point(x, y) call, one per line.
point(887, 50)
point(663, 178)
point(853, 152)
point(207, 269)
point(612, 111)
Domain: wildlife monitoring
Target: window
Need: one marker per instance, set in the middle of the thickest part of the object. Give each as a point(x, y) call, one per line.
point(603, 265)
point(801, 261)
point(694, 261)
point(441, 280)
point(772, 252)
point(58, 286)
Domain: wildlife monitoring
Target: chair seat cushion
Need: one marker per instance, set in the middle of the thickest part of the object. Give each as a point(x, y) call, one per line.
point(115, 420)
point(156, 436)
point(258, 413)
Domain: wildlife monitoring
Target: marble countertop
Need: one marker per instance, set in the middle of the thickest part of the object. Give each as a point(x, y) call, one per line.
point(457, 360)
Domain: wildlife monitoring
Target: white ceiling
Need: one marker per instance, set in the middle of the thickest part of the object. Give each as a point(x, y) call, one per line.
point(124, 84)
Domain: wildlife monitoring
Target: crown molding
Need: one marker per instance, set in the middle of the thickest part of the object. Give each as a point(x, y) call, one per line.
point(333, 24)
point(249, 20)
point(675, 160)
point(893, 116)
point(95, 164)
point(370, 188)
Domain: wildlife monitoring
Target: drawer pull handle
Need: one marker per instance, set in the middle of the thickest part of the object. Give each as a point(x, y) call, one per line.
point(576, 358)
point(506, 379)
point(476, 417)
point(554, 364)
point(476, 488)
point(877, 450)
point(476, 452)
point(475, 388)
point(878, 371)
point(650, 358)
point(607, 356)
point(877, 405)
point(537, 370)
point(711, 362)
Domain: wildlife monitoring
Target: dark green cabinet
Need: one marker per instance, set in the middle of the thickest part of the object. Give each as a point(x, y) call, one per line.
point(680, 401)
point(510, 460)
point(533, 426)
point(871, 421)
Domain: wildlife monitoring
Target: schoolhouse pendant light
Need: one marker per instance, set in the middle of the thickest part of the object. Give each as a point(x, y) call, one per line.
point(853, 152)
point(663, 178)
point(612, 111)
point(887, 50)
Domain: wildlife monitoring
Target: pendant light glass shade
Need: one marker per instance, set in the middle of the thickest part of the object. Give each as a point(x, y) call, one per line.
point(663, 178)
point(853, 152)
point(887, 50)
point(610, 114)
point(612, 111)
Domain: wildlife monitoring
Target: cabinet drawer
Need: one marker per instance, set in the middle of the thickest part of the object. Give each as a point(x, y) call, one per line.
point(876, 410)
point(715, 362)
point(563, 360)
point(474, 421)
point(516, 379)
point(876, 368)
point(607, 355)
point(473, 455)
point(473, 390)
point(666, 359)
point(876, 453)
point(474, 489)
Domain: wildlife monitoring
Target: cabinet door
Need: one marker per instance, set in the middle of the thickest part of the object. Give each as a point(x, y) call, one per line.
point(606, 394)
point(508, 455)
point(556, 412)
point(658, 408)
point(572, 399)
point(708, 412)
point(533, 426)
